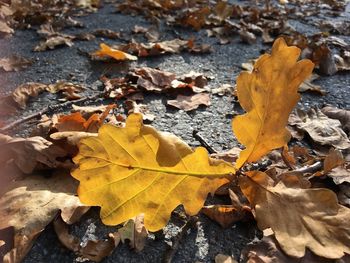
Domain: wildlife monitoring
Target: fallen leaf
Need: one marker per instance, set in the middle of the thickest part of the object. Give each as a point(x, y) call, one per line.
point(340, 174)
point(268, 95)
point(107, 51)
point(156, 161)
point(22, 93)
point(333, 160)
point(133, 107)
point(53, 42)
point(191, 102)
point(87, 111)
point(94, 250)
point(31, 203)
point(342, 115)
point(300, 218)
point(307, 86)
point(69, 90)
point(76, 122)
point(28, 153)
point(344, 194)
point(107, 33)
point(32, 89)
point(321, 129)
point(220, 258)
point(224, 215)
point(5, 29)
point(267, 250)
point(153, 79)
point(247, 37)
point(14, 63)
point(224, 89)
point(135, 231)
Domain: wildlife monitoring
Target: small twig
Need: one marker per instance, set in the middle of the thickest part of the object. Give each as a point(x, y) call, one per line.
point(203, 142)
point(171, 250)
point(310, 169)
point(46, 110)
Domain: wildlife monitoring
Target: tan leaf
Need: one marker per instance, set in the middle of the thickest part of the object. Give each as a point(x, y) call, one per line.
point(94, 250)
point(342, 115)
point(134, 230)
point(133, 107)
point(224, 215)
point(53, 42)
point(322, 130)
point(4, 28)
point(307, 86)
point(300, 218)
point(267, 250)
point(191, 102)
point(333, 160)
point(31, 203)
point(153, 79)
point(27, 153)
point(14, 63)
point(22, 93)
point(220, 258)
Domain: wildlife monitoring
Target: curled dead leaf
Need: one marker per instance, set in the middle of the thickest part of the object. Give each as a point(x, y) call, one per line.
point(31, 203)
point(315, 219)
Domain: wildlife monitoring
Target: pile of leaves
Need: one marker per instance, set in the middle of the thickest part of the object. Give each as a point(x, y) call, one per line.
point(139, 175)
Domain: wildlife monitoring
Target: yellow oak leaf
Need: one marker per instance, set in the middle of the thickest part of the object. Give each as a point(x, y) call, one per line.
point(136, 169)
point(114, 53)
point(300, 217)
point(268, 95)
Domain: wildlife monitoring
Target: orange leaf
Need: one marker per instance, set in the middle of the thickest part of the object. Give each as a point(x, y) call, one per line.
point(114, 53)
point(268, 95)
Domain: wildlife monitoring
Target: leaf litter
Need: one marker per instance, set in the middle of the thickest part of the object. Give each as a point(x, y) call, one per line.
point(290, 171)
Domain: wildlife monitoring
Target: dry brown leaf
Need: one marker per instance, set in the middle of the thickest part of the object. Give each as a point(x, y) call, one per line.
point(197, 82)
point(53, 42)
point(340, 174)
point(28, 153)
point(134, 230)
point(94, 250)
point(344, 194)
point(247, 37)
point(333, 160)
point(87, 111)
point(342, 115)
point(153, 79)
point(32, 89)
point(191, 102)
point(133, 107)
point(31, 203)
point(300, 218)
point(224, 215)
point(76, 122)
point(322, 130)
point(5, 29)
point(267, 250)
point(69, 90)
point(224, 89)
point(106, 33)
point(14, 63)
point(22, 93)
point(307, 86)
point(220, 258)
